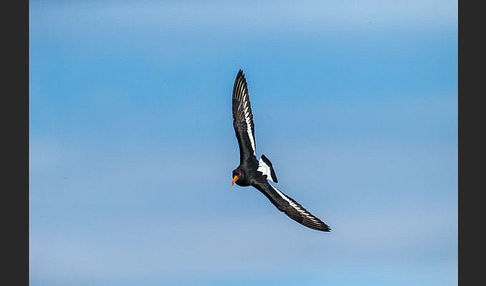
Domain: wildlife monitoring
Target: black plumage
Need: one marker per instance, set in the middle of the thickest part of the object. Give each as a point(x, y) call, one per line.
point(252, 172)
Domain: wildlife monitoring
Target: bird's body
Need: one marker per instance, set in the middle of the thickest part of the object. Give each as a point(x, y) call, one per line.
point(256, 173)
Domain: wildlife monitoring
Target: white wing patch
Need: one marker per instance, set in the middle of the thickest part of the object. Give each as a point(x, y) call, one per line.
point(295, 206)
point(265, 170)
point(248, 125)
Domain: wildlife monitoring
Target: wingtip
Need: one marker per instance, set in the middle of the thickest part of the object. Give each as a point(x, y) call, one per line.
point(324, 229)
point(321, 227)
point(240, 80)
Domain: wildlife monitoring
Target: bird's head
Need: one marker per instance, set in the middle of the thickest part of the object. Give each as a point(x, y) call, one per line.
point(238, 176)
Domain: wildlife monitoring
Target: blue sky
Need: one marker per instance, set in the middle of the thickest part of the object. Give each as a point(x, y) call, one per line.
point(132, 144)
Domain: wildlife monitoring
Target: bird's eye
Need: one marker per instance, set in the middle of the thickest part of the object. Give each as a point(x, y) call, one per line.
point(239, 173)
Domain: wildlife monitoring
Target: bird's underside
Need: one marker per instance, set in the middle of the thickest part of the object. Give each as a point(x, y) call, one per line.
point(257, 173)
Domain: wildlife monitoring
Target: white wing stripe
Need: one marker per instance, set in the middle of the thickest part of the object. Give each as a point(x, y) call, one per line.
point(300, 210)
point(248, 126)
point(285, 198)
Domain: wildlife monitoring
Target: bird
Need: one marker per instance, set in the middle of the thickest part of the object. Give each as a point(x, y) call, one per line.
point(258, 173)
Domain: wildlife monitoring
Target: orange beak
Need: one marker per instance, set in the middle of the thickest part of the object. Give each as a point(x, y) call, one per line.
point(234, 180)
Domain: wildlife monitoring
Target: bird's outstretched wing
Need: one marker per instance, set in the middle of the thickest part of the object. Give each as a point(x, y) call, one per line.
point(289, 206)
point(243, 118)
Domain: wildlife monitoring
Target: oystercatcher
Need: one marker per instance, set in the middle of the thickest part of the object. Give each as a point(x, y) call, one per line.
point(256, 173)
